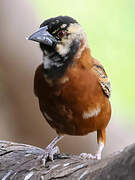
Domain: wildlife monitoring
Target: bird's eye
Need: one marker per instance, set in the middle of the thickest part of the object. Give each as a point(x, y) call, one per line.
point(61, 34)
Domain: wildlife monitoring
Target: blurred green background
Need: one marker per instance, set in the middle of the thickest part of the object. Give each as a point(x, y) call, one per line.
point(110, 27)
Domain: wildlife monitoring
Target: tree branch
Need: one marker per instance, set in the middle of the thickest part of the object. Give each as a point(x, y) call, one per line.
point(20, 161)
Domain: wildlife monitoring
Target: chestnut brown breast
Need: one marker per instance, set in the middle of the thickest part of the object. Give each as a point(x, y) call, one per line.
point(74, 104)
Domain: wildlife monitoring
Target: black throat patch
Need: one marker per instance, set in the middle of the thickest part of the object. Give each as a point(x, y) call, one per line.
point(59, 64)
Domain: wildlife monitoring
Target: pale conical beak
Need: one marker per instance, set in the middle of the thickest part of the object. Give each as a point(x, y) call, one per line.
point(43, 36)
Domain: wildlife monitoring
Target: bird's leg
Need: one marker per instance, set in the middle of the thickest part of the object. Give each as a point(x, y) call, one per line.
point(99, 151)
point(101, 138)
point(50, 150)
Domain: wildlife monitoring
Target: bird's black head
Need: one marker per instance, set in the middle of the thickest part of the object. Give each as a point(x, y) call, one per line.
point(60, 39)
point(57, 27)
point(56, 23)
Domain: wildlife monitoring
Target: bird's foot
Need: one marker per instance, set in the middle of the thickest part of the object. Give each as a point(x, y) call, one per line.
point(98, 156)
point(90, 156)
point(49, 154)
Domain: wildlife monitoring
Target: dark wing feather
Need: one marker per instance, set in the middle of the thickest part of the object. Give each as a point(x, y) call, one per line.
point(103, 79)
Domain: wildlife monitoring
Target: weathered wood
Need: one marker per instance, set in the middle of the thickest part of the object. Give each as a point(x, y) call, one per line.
point(22, 162)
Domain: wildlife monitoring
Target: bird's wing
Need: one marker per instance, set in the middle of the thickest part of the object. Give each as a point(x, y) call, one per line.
point(102, 78)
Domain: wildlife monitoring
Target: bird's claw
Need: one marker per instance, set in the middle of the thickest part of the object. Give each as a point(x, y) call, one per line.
point(98, 156)
point(49, 154)
point(90, 156)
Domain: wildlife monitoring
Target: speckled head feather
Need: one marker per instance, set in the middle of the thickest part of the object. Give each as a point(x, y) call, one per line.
point(54, 23)
point(60, 39)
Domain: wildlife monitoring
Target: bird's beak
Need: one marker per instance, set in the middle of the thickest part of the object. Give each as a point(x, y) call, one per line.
point(43, 36)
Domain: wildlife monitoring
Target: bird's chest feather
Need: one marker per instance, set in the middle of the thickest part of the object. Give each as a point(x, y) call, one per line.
point(70, 104)
point(76, 89)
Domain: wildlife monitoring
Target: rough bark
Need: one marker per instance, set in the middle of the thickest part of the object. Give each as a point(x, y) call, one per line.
point(21, 161)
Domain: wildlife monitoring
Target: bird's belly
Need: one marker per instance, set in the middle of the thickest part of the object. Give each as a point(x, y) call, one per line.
point(73, 110)
point(66, 121)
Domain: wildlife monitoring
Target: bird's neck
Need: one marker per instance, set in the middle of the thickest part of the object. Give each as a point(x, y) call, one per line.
point(85, 59)
point(56, 65)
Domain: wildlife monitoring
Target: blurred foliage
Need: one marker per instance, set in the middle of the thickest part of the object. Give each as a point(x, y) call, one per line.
point(110, 27)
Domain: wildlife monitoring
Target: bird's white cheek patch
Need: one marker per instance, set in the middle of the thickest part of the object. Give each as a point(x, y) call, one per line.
point(63, 48)
point(91, 113)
